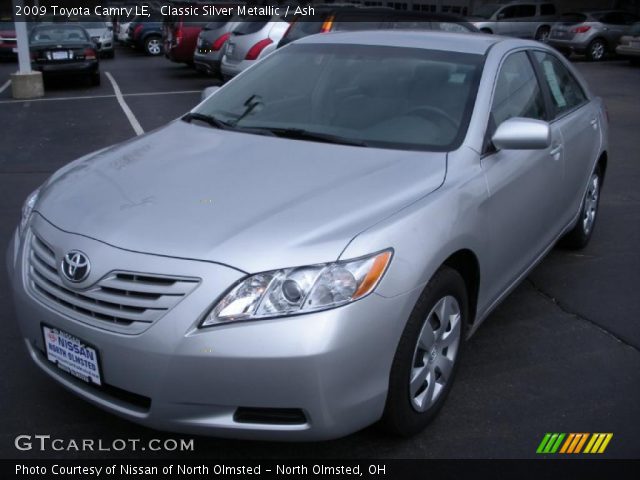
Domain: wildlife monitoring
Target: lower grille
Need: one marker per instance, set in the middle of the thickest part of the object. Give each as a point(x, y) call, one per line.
point(273, 416)
point(122, 300)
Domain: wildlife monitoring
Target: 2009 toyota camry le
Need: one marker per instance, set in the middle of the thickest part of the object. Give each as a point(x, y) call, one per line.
point(306, 251)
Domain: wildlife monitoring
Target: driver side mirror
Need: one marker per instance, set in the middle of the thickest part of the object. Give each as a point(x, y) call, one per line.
point(522, 134)
point(207, 92)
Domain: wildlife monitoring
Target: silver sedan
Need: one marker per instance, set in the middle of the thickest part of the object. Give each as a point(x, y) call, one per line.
point(306, 252)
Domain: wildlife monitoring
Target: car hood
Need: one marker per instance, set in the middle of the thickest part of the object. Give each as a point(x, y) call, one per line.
point(249, 201)
point(95, 32)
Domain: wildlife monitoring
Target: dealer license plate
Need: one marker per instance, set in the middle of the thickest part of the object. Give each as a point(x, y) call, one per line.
point(60, 55)
point(72, 355)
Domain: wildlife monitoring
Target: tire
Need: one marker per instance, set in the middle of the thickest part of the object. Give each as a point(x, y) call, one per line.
point(95, 79)
point(412, 404)
point(542, 35)
point(597, 50)
point(582, 231)
point(153, 45)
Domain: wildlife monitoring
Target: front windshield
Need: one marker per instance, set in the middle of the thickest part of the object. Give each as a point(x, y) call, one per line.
point(486, 11)
point(387, 97)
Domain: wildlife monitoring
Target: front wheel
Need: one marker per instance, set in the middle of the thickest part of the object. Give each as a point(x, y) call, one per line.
point(581, 233)
point(426, 359)
point(542, 35)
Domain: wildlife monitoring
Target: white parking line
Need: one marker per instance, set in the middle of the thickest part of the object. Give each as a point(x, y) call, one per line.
point(5, 85)
point(91, 97)
point(125, 108)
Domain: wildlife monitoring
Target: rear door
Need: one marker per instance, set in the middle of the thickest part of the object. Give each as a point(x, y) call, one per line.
point(525, 186)
point(579, 122)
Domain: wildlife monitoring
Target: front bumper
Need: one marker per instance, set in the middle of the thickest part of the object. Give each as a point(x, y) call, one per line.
point(628, 51)
point(333, 366)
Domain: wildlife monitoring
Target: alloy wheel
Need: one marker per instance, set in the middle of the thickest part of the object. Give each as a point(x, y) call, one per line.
point(435, 353)
point(591, 203)
point(597, 50)
point(154, 47)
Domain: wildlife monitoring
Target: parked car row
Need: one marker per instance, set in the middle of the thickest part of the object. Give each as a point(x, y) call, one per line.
point(228, 45)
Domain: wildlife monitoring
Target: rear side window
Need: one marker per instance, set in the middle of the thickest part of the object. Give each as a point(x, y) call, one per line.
point(247, 28)
point(547, 9)
point(613, 18)
point(517, 92)
point(566, 92)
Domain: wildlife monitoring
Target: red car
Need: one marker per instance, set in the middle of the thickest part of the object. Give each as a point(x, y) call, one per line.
point(8, 46)
point(180, 35)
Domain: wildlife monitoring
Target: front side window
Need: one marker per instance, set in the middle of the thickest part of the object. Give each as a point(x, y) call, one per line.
point(517, 92)
point(346, 91)
point(566, 92)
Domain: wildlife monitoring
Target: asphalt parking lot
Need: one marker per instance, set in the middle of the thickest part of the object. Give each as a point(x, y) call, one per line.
point(561, 354)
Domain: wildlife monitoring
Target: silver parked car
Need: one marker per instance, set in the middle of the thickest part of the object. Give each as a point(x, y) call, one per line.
point(306, 251)
point(630, 44)
point(211, 44)
point(101, 32)
point(251, 41)
point(532, 19)
point(593, 34)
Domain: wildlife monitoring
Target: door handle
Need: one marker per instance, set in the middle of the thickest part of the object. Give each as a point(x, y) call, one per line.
point(555, 150)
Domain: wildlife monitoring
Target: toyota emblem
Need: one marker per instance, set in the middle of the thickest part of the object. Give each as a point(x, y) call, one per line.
point(75, 266)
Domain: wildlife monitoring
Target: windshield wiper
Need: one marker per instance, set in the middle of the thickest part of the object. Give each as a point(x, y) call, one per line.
point(302, 134)
point(210, 119)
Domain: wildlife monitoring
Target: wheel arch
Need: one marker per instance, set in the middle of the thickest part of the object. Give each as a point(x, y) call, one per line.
point(466, 263)
point(602, 162)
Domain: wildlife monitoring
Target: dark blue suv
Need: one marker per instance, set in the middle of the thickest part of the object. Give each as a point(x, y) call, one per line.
point(145, 33)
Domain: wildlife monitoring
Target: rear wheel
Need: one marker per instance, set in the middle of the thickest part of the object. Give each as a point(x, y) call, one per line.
point(153, 45)
point(542, 35)
point(596, 50)
point(426, 359)
point(581, 233)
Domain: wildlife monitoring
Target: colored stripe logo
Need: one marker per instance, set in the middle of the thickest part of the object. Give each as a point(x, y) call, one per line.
point(574, 443)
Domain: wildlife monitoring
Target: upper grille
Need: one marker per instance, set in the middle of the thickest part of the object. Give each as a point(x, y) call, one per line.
point(122, 300)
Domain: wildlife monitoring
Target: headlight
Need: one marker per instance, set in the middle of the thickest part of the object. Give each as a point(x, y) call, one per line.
point(27, 208)
point(298, 290)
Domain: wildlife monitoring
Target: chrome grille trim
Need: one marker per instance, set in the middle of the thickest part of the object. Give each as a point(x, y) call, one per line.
point(120, 301)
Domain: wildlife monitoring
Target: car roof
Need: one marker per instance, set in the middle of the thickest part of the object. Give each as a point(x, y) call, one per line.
point(475, 43)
